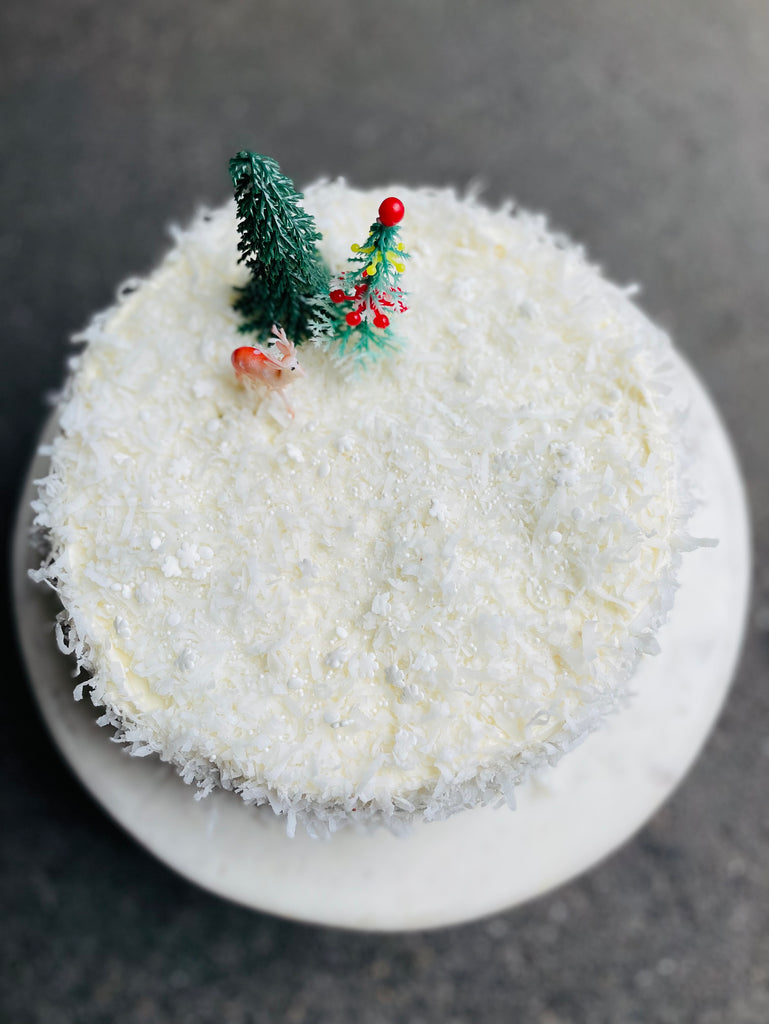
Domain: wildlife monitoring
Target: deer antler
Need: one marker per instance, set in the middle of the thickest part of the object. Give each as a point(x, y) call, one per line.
point(285, 344)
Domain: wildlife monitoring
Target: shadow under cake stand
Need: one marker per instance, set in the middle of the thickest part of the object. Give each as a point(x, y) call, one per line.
point(477, 862)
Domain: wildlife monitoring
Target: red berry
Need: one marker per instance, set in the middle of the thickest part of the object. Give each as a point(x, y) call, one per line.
point(381, 321)
point(353, 318)
point(391, 211)
point(337, 295)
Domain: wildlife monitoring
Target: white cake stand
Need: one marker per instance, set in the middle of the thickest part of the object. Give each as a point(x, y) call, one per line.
point(479, 861)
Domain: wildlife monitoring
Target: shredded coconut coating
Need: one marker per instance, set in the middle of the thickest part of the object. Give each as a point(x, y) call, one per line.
point(439, 576)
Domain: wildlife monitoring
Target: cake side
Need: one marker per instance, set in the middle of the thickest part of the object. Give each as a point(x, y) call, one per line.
point(437, 577)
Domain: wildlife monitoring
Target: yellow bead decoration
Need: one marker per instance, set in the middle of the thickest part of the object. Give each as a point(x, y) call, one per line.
point(396, 264)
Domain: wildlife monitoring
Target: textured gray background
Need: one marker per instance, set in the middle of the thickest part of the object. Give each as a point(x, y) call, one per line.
point(642, 126)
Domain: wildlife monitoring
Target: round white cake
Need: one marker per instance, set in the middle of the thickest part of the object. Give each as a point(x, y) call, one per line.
point(438, 576)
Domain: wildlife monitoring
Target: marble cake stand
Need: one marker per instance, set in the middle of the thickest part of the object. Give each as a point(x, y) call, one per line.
point(480, 861)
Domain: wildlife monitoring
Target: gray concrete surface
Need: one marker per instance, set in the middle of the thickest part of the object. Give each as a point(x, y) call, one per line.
point(643, 128)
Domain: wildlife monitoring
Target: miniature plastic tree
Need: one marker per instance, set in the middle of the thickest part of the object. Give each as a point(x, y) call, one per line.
point(277, 244)
point(361, 302)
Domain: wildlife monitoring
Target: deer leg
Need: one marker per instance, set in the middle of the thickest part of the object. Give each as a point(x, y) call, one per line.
point(289, 410)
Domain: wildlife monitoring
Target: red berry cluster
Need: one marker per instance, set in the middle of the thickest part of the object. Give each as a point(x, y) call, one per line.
point(365, 298)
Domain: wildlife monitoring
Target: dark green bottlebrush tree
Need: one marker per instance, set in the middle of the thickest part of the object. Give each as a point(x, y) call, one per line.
point(356, 314)
point(277, 244)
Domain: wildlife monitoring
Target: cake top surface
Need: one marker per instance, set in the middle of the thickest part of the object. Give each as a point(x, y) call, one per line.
point(438, 575)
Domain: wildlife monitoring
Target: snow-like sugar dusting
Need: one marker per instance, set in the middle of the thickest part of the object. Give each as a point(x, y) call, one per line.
point(436, 578)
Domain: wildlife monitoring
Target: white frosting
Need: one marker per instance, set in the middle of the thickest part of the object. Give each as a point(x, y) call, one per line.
point(437, 577)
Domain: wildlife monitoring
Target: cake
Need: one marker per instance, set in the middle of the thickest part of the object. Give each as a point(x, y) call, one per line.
point(435, 578)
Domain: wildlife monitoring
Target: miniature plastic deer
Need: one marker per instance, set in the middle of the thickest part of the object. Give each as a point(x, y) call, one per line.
point(253, 366)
